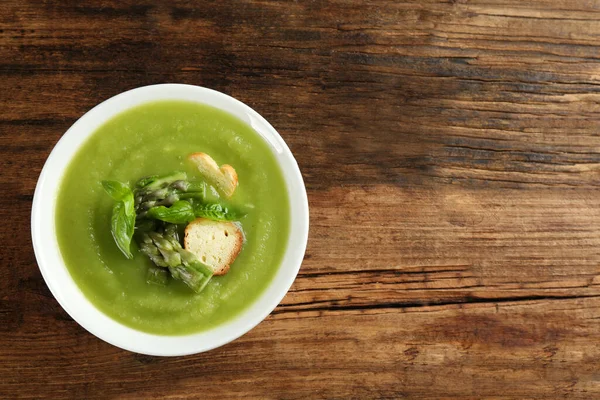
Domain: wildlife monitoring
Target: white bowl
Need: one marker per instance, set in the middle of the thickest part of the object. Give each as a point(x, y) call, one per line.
point(72, 299)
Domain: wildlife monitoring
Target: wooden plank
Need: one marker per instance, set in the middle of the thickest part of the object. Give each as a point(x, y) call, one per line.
point(549, 347)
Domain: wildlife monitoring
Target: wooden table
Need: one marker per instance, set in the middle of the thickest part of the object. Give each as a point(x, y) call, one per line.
point(451, 153)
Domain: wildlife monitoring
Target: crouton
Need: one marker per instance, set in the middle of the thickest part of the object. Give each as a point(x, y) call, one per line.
point(215, 243)
point(224, 178)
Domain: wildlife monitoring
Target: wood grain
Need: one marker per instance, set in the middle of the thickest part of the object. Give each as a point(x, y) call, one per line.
point(451, 154)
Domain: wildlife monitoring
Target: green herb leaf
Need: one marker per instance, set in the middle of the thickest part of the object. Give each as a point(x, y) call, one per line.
point(117, 190)
point(181, 212)
point(215, 211)
point(121, 227)
point(120, 192)
point(123, 215)
point(164, 249)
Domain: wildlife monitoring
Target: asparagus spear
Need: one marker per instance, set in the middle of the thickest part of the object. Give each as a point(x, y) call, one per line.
point(146, 225)
point(164, 249)
point(148, 248)
point(196, 280)
point(196, 273)
point(181, 184)
point(170, 254)
point(156, 181)
point(167, 194)
point(171, 233)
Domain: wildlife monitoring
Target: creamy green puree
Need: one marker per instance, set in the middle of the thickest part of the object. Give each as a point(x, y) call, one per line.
point(155, 138)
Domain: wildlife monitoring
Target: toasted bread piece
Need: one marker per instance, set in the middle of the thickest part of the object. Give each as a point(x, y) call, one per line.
point(224, 178)
point(215, 243)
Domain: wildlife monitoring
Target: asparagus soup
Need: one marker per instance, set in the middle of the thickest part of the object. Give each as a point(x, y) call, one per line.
point(143, 277)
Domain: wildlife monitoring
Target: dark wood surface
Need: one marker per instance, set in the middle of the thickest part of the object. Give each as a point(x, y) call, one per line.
point(451, 153)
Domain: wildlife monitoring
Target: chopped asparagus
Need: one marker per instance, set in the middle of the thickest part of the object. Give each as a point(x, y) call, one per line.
point(156, 181)
point(195, 279)
point(164, 249)
point(145, 225)
point(180, 185)
point(154, 208)
point(149, 248)
point(171, 233)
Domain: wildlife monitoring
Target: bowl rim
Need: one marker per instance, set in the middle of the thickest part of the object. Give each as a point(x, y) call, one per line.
point(72, 299)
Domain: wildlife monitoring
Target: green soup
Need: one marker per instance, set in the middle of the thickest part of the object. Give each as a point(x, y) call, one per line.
point(155, 138)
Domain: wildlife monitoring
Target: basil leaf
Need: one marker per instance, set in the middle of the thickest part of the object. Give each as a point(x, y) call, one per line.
point(215, 211)
point(121, 227)
point(181, 212)
point(117, 190)
point(123, 215)
point(121, 192)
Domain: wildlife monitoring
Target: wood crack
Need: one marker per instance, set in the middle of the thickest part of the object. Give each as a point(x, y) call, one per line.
point(378, 271)
point(285, 308)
